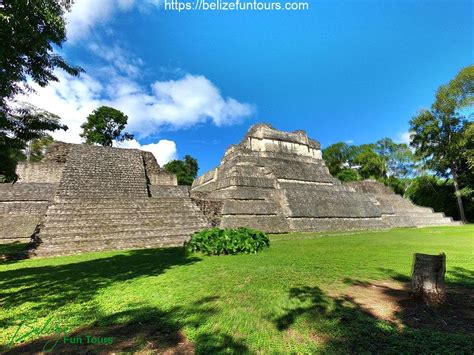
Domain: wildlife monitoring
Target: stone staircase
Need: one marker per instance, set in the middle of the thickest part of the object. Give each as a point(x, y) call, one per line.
point(81, 225)
point(98, 172)
point(401, 212)
point(406, 214)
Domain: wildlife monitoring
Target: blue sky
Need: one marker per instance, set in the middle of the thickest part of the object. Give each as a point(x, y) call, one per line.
point(349, 70)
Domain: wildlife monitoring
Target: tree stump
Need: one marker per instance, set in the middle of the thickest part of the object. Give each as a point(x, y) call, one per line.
point(428, 278)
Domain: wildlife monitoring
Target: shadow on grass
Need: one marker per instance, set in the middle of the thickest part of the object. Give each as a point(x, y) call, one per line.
point(138, 328)
point(53, 286)
point(12, 252)
point(145, 329)
point(342, 324)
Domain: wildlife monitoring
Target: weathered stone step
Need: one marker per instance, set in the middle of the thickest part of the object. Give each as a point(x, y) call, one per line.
point(97, 245)
point(112, 209)
point(124, 210)
point(124, 237)
point(130, 228)
point(24, 206)
point(106, 200)
point(424, 214)
point(118, 219)
point(27, 191)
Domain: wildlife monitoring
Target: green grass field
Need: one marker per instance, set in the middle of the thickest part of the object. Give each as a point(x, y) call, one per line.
point(282, 300)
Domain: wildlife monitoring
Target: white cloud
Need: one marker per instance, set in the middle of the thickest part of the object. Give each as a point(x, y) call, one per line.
point(180, 103)
point(119, 62)
point(174, 104)
point(86, 14)
point(163, 150)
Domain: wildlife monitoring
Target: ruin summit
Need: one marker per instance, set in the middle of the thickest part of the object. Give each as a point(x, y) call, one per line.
point(89, 198)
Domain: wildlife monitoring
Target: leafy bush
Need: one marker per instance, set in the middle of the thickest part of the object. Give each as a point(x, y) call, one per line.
point(215, 241)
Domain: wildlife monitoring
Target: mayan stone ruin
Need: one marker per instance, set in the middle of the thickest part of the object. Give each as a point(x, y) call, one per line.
point(88, 198)
point(278, 182)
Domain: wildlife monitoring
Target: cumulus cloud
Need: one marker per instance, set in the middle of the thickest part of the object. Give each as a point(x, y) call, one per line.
point(86, 14)
point(179, 104)
point(163, 150)
point(175, 104)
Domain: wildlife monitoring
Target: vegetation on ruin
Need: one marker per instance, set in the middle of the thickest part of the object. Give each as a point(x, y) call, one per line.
point(29, 31)
point(216, 241)
point(185, 170)
point(295, 297)
point(105, 126)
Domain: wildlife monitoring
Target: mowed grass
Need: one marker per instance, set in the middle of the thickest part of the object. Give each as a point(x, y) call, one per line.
point(281, 300)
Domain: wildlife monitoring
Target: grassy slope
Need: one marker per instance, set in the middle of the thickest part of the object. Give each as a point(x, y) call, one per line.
point(275, 301)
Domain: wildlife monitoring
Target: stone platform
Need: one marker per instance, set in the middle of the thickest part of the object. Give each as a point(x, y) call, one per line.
point(84, 198)
point(278, 182)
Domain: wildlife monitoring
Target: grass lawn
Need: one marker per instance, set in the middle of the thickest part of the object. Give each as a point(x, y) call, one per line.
point(286, 299)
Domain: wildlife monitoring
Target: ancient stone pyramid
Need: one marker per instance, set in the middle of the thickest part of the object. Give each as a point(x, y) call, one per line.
point(277, 182)
point(88, 198)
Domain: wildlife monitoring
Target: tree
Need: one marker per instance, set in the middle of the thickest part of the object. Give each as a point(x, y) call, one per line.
point(399, 159)
point(352, 163)
point(439, 132)
point(24, 123)
point(104, 126)
point(37, 148)
point(185, 170)
point(347, 175)
point(29, 30)
point(338, 157)
point(370, 164)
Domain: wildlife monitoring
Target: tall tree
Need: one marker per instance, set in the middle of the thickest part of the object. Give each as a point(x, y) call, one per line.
point(185, 170)
point(104, 126)
point(438, 132)
point(399, 158)
point(370, 164)
point(29, 30)
point(338, 157)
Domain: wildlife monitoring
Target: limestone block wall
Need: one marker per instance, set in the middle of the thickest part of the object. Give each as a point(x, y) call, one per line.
point(22, 207)
point(92, 172)
point(155, 174)
point(166, 191)
point(39, 172)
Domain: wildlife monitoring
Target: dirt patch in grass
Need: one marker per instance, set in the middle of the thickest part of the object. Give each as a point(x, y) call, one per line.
point(391, 301)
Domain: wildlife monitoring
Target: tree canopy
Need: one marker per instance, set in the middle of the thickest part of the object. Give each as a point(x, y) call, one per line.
point(104, 126)
point(185, 170)
point(439, 134)
point(29, 31)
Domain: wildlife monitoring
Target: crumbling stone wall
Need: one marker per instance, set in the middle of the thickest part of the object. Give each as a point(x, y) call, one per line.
point(155, 174)
point(211, 209)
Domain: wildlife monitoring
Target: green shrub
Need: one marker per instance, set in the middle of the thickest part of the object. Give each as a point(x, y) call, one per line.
point(215, 241)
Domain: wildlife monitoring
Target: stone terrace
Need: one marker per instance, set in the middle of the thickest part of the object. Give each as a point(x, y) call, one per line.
point(278, 182)
point(96, 198)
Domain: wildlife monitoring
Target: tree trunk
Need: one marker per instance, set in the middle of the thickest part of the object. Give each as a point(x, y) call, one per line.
point(458, 196)
point(428, 278)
